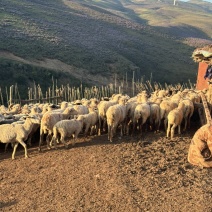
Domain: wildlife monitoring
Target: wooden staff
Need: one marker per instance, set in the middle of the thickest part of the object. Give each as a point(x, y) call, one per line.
point(207, 112)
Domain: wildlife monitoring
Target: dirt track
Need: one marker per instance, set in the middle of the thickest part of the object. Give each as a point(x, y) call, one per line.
point(133, 174)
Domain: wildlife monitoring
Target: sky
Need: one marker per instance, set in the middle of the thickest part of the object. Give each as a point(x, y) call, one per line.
point(203, 0)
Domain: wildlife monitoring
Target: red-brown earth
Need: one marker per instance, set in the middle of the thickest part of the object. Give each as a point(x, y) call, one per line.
point(148, 173)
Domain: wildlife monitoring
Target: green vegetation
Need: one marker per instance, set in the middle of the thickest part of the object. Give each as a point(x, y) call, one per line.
point(25, 76)
point(104, 38)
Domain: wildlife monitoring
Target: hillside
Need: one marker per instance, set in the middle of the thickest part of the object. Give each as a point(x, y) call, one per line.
point(90, 41)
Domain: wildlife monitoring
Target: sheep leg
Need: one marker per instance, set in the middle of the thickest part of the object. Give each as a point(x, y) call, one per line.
point(14, 150)
point(168, 130)
point(134, 127)
point(53, 140)
point(172, 130)
point(165, 123)
point(112, 133)
point(64, 142)
point(104, 125)
point(6, 146)
point(100, 123)
point(121, 130)
point(128, 127)
point(74, 139)
point(189, 122)
point(40, 141)
point(140, 128)
point(25, 148)
point(92, 130)
point(48, 138)
point(97, 128)
point(185, 124)
point(179, 129)
point(86, 130)
point(158, 126)
point(124, 127)
point(109, 133)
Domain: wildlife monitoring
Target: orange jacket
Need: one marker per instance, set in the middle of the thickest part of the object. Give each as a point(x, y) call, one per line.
point(201, 142)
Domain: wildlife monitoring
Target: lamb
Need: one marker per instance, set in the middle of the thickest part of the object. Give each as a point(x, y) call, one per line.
point(13, 109)
point(66, 128)
point(90, 121)
point(162, 93)
point(165, 107)
point(25, 109)
point(81, 109)
point(116, 115)
point(188, 112)
point(63, 105)
point(175, 118)
point(17, 133)
point(3, 109)
point(116, 97)
point(141, 114)
point(48, 121)
point(130, 114)
point(94, 102)
point(34, 111)
point(176, 97)
point(102, 109)
point(154, 117)
point(142, 98)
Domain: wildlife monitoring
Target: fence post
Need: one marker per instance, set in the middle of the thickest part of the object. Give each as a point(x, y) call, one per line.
point(11, 94)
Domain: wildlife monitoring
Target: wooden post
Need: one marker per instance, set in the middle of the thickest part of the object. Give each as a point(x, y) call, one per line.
point(52, 90)
point(2, 100)
point(11, 95)
point(133, 82)
point(115, 83)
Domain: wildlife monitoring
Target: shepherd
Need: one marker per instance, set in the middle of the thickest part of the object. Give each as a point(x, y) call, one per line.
point(200, 149)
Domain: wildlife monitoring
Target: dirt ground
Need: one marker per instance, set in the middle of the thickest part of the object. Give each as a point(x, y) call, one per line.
point(150, 173)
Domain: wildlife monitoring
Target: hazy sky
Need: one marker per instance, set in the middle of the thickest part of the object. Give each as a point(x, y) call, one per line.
point(203, 0)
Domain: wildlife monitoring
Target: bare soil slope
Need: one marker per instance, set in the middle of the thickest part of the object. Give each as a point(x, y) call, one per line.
point(132, 174)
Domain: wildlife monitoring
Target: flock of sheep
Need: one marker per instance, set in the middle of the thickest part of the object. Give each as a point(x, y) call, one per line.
point(128, 115)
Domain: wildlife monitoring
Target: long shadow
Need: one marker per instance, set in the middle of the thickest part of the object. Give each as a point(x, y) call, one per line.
point(81, 142)
point(7, 204)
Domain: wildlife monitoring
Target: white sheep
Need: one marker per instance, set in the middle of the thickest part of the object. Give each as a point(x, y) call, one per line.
point(63, 105)
point(141, 114)
point(90, 121)
point(188, 112)
point(17, 133)
point(48, 121)
point(116, 97)
point(165, 107)
point(13, 109)
point(3, 109)
point(102, 109)
point(25, 109)
point(116, 116)
point(154, 119)
point(142, 98)
point(65, 129)
point(175, 118)
point(81, 109)
point(176, 97)
point(130, 109)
